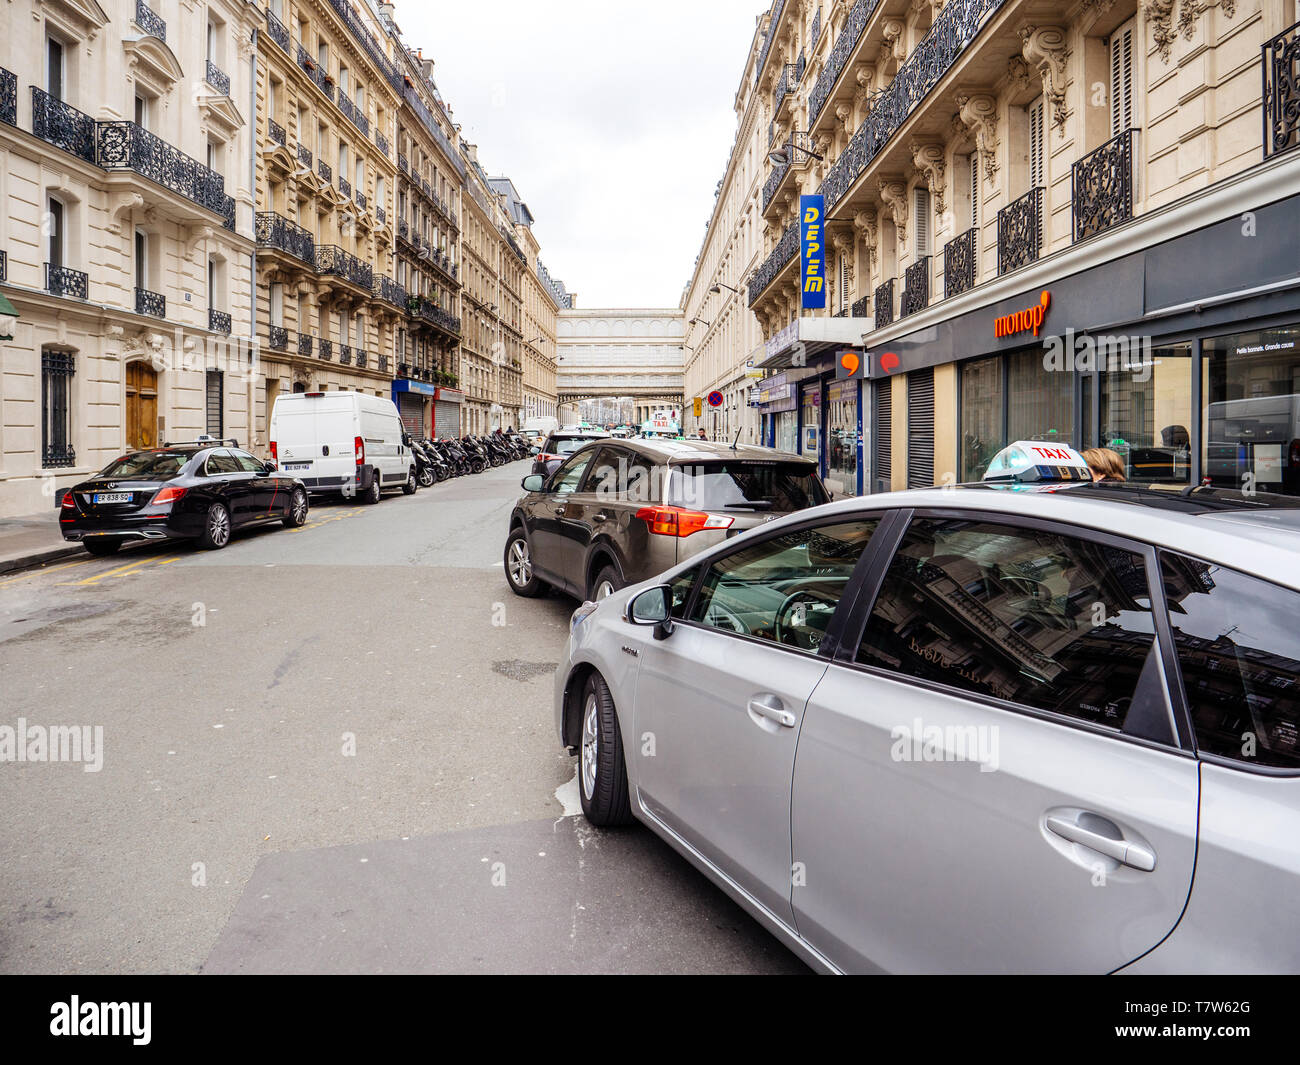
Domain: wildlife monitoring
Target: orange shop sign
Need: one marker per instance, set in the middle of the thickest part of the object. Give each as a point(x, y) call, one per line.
point(1030, 319)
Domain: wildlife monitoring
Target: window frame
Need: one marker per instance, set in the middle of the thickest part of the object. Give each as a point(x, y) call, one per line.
point(1177, 735)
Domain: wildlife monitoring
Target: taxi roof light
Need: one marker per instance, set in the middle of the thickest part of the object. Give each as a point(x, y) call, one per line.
point(1038, 462)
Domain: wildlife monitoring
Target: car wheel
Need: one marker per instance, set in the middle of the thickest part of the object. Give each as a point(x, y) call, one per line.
point(519, 567)
point(606, 583)
point(602, 772)
point(216, 528)
point(409, 487)
point(374, 493)
point(298, 506)
point(101, 547)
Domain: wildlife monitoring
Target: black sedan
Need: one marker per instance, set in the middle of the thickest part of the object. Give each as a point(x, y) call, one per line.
point(195, 491)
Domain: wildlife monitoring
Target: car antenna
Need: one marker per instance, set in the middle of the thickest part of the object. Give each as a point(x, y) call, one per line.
point(736, 441)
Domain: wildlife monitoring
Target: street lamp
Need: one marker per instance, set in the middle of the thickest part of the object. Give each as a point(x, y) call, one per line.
point(716, 290)
point(782, 156)
point(700, 321)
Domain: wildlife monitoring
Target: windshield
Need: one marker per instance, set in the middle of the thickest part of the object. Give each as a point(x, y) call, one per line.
point(778, 487)
point(567, 445)
point(148, 464)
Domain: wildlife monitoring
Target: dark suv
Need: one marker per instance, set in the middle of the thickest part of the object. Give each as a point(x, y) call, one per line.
point(560, 445)
point(618, 511)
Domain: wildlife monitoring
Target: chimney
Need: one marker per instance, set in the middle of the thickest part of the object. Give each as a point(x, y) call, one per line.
point(386, 11)
point(472, 151)
point(426, 65)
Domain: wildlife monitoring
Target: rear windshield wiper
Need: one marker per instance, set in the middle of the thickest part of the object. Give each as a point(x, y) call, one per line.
point(753, 504)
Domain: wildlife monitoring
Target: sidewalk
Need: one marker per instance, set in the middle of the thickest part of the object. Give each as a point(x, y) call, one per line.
point(32, 540)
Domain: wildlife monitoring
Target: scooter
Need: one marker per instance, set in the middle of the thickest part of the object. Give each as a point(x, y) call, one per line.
point(424, 473)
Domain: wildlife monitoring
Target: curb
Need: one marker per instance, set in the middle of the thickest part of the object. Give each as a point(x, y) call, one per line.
point(39, 557)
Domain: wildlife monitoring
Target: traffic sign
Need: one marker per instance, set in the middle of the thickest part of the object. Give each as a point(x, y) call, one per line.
point(716, 399)
point(699, 406)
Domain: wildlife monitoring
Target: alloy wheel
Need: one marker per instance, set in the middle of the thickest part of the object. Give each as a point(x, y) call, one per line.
point(590, 745)
point(521, 563)
point(604, 590)
point(299, 507)
point(218, 526)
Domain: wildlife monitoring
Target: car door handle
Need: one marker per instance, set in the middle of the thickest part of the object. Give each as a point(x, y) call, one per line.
point(1134, 855)
point(600, 517)
point(770, 707)
point(561, 511)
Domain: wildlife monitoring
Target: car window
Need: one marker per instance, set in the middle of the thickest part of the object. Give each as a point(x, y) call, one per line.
point(1034, 617)
point(148, 464)
point(681, 586)
point(1239, 651)
point(249, 464)
point(567, 445)
point(622, 475)
point(220, 462)
point(569, 474)
point(719, 487)
point(784, 589)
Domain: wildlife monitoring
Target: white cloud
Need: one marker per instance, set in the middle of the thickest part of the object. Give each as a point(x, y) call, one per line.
point(614, 119)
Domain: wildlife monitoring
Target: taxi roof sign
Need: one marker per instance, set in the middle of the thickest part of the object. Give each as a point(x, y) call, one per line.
point(1040, 461)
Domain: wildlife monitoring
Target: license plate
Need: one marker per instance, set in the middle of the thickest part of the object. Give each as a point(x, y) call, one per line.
point(294, 467)
point(112, 497)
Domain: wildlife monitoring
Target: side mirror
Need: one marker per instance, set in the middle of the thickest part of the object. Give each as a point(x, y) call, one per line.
point(534, 450)
point(653, 607)
point(534, 483)
point(271, 467)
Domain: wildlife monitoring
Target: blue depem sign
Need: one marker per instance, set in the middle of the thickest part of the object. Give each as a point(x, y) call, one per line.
point(813, 251)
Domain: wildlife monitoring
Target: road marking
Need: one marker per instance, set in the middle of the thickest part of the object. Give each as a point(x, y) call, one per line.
point(128, 570)
point(42, 572)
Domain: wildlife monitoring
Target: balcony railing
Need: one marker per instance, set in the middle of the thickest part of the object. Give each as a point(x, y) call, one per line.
point(331, 259)
point(816, 34)
point(860, 308)
point(959, 263)
point(327, 350)
point(345, 105)
point(150, 303)
point(1101, 186)
point(59, 455)
point(953, 31)
point(8, 97)
point(278, 338)
point(1281, 63)
point(325, 171)
point(883, 299)
point(304, 156)
point(217, 78)
point(276, 30)
point(219, 322)
point(4, 266)
point(772, 26)
point(277, 132)
point(383, 364)
point(785, 86)
point(320, 77)
point(382, 215)
point(1020, 231)
point(381, 142)
point(149, 21)
point(277, 232)
point(362, 202)
point(305, 344)
point(126, 146)
point(390, 291)
point(361, 358)
point(62, 281)
point(786, 249)
point(367, 41)
point(916, 287)
point(854, 23)
point(63, 125)
point(798, 149)
point(402, 164)
point(345, 187)
point(403, 229)
point(345, 355)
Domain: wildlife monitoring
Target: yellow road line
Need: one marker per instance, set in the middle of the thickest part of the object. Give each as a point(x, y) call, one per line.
point(42, 572)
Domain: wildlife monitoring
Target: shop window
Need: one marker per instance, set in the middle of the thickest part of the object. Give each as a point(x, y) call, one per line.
point(1040, 402)
point(1251, 384)
point(1146, 413)
point(983, 434)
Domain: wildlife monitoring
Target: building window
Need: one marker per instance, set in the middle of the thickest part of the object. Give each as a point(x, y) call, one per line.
point(57, 369)
point(1121, 80)
point(922, 223)
point(1146, 411)
point(57, 239)
point(215, 404)
point(1040, 403)
point(54, 67)
point(982, 432)
point(974, 190)
point(1036, 167)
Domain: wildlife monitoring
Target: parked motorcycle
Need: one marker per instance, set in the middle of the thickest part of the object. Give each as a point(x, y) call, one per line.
point(425, 476)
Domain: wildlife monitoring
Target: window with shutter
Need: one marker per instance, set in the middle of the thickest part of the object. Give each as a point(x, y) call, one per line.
point(1121, 79)
point(920, 429)
point(1036, 169)
point(844, 281)
point(884, 434)
point(215, 393)
point(922, 223)
point(974, 190)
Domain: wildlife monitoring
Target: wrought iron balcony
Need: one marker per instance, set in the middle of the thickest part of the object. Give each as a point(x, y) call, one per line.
point(353, 113)
point(227, 213)
point(150, 303)
point(784, 86)
point(850, 33)
point(278, 338)
point(327, 350)
point(1020, 231)
point(345, 105)
point(883, 299)
point(126, 146)
point(149, 21)
point(345, 186)
point(217, 78)
point(62, 281)
point(331, 259)
point(860, 307)
point(382, 215)
point(325, 171)
point(1101, 186)
point(390, 291)
point(219, 322)
point(362, 202)
point(304, 156)
point(62, 125)
point(8, 97)
point(367, 41)
point(1281, 62)
point(402, 164)
point(304, 344)
point(816, 34)
point(953, 31)
point(403, 229)
point(277, 132)
point(798, 151)
point(381, 142)
point(277, 31)
point(345, 355)
point(786, 249)
point(4, 266)
point(277, 232)
point(383, 364)
point(916, 287)
point(59, 455)
point(361, 358)
point(773, 25)
point(959, 263)
point(318, 76)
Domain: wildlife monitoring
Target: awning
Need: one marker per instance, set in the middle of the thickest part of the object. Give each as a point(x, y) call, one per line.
point(8, 316)
point(403, 384)
point(816, 335)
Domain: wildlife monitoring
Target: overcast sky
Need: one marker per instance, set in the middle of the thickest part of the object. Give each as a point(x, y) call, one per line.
point(613, 117)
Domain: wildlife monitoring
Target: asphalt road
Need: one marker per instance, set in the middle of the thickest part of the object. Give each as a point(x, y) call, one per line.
point(324, 750)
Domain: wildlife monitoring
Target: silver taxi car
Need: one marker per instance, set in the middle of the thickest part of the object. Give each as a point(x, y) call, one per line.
point(999, 728)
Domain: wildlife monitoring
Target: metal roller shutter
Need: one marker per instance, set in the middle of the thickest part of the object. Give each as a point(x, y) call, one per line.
point(884, 434)
point(920, 429)
point(411, 408)
point(446, 419)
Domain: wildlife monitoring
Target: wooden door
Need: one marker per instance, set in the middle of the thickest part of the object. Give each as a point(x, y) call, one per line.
point(141, 406)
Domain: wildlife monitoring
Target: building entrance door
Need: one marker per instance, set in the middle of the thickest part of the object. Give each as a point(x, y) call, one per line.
point(141, 406)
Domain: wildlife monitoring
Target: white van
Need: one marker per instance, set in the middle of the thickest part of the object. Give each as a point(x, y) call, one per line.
point(344, 443)
point(536, 430)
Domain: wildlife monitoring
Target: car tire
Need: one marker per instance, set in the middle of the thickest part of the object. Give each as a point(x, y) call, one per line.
point(101, 548)
point(602, 771)
point(298, 507)
point(520, 575)
point(374, 493)
point(408, 489)
point(216, 528)
point(607, 577)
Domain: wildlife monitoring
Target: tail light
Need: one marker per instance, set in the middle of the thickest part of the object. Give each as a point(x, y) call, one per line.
point(359, 446)
point(68, 501)
point(675, 521)
point(275, 451)
point(168, 495)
